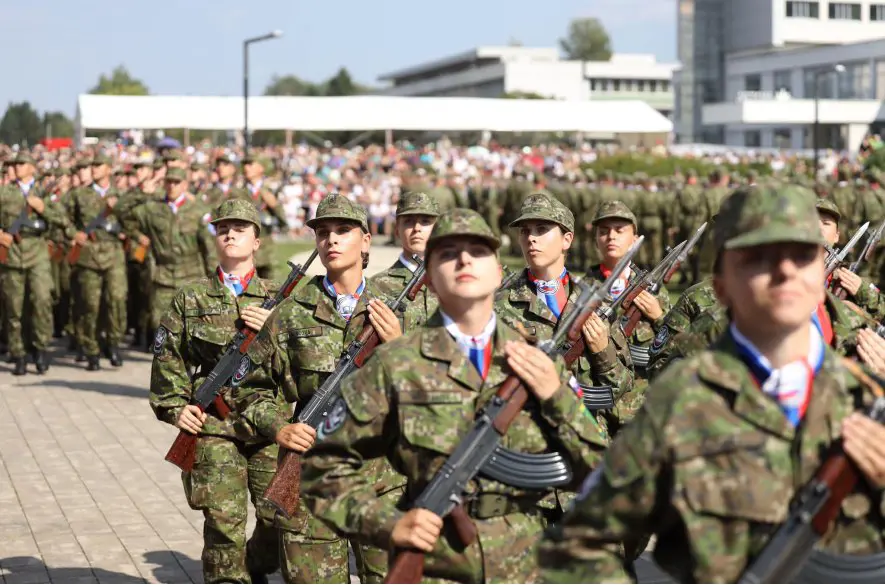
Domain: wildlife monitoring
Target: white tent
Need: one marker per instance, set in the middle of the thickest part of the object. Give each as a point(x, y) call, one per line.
point(102, 112)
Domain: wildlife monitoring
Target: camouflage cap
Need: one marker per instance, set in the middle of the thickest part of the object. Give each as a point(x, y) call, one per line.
point(334, 206)
point(225, 159)
point(828, 206)
point(461, 222)
point(176, 174)
point(755, 216)
point(239, 209)
point(23, 158)
point(101, 159)
point(614, 209)
point(173, 155)
point(83, 163)
point(63, 172)
point(545, 207)
point(158, 164)
point(417, 203)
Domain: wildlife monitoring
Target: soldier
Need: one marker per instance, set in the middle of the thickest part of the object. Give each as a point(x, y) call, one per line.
point(537, 298)
point(101, 268)
point(302, 340)
point(175, 232)
point(690, 213)
point(418, 396)
point(226, 170)
point(273, 216)
point(26, 277)
point(679, 471)
point(61, 270)
point(234, 458)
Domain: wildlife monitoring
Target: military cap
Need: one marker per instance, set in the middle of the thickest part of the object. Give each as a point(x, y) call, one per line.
point(24, 158)
point(545, 207)
point(142, 162)
point(829, 207)
point(199, 167)
point(590, 174)
point(176, 174)
point(157, 164)
point(240, 209)
point(102, 159)
point(225, 158)
point(614, 209)
point(692, 172)
point(173, 155)
point(417, 203)
point(755, 216)
point(63, 172)
point(83, 163)
point(249, 157)
point(461, 222)
point(334, 206)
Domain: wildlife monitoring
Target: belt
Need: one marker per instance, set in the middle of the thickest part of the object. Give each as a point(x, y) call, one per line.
point(484, 506)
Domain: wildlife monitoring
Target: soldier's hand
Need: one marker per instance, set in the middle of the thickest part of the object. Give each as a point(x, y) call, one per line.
point(297, 437)
point(111, 201)
point(648, 305)
point(254, 317)
point(384, 320)
point(848, 280)
point(5, 240)
point(36, 203)
point(418, 528)
point(864, 441)
point(871, 349)
point(143, 240)
point(122, 236)
point(533, 367)
point(269, 198)
point(191, 419)
point(80, 238)
point(595, 334)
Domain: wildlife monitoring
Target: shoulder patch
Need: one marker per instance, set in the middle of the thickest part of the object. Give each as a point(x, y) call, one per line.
point(590, 482)
point(159, 340)
point(334, 420)
point(660, 340)
point(243, 369)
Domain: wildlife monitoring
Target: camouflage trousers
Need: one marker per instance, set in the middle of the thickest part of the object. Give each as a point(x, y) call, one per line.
point(138, 302)
point(61, 272)
point(27, 301)
point(160, 301)
point(100, 296)
point(226, 475)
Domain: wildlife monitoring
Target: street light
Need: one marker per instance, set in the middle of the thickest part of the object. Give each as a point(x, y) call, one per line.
point(271, 35)
point(839, 69)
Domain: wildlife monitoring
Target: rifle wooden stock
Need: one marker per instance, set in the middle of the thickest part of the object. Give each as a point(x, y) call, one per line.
point(414, 292)
point(139, 254)
point(633, 316)
point(840, 475)
point(284, 489)
point(4, 254)
point(407, 567)
point(74, 254)
point(183, 451)
point(56, 252)
point(674, 268)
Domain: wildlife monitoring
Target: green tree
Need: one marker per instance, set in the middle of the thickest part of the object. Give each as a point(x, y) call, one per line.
point(57, 125)
point(120, 82)
point(290, 85)
point(586, 40)
point(524, 95)
point(341, 84)
point(21, 125)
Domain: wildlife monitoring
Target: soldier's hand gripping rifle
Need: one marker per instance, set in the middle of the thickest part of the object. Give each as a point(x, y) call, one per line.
point(15, 230)
point(284, 489)
point(814, 509)
point(834, 258)
point(89, 230)
point(444, 494)
point(865, 256)
point(233, 367)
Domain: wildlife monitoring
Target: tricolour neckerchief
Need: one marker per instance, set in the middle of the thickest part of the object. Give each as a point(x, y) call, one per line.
point(344, 304)
point(789, 385)
point(478, 349)
point(176, 205)
point(235, 284)
point(620, 284)
point(554, 292)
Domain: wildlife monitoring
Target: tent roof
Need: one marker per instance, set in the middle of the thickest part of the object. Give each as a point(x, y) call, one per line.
point(368, 113)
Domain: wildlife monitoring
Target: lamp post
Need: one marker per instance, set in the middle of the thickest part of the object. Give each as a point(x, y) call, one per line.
point(839, 69)
point(271, 35)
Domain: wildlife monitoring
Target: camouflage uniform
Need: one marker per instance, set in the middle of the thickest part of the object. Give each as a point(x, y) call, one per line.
point(26, 278)
point(302, 340)
point(181, 245)
point(518, 304)
point(101, 271)
point(413, 402)
point(710, 462)
point(61, 269)
point(643, 335)
point(235, 458)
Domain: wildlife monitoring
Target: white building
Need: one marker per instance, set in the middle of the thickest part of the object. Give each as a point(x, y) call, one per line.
point(749, 70)
point(493, 71)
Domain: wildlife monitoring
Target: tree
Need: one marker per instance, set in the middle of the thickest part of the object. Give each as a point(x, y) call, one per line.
point(290, 85)
point(21, 125)
point(524, 95)
point(586, 40)
point(342, 84)
point(120, 82)
point(57, 125)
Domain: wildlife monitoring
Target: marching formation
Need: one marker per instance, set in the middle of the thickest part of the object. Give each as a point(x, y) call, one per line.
point(448, 420)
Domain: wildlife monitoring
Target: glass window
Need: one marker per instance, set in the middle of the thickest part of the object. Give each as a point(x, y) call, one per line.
point(782, 137)
point(753, 82)
point(753, 138)
point(855, 82)
point(877, 12)
point(880, 80)
point(844, 11)
point(799, 9)
point(616, 85)
point(783, 80)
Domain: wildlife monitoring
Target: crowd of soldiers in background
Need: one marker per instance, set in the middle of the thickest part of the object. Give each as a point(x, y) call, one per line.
point(142, 251)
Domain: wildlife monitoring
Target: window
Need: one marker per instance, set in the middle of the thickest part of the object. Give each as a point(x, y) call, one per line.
point(844, 11)
point(855, 83)
point(877, 12)
point(783, 80)
point(753, 82)
point(826, 83)
point(665, 85)
point(782, 138)
point(616, 85)
point(653, 85)
point(753, 138)
point(880, 80)
point(797, 9)
point(594, 85)
point(640, 85)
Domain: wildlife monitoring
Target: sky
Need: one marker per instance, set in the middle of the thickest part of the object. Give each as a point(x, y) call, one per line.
point(59, 48)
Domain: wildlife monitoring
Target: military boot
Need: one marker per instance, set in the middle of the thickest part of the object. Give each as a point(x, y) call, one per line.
point(21, 366)
point(93, 364)
point(115, 357)
point(41, 361)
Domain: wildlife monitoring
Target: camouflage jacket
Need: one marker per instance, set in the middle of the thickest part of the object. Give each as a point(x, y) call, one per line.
point(272, 220)
point(695, 300)
point(711, 324)
point(104, 247)
point(518, 303)
point(870, 299)
point(709, 465)
point(33, 248)
point(214, 194)
point(412, 403)
point(390, 285)
point(199, 323)
point(181, 244)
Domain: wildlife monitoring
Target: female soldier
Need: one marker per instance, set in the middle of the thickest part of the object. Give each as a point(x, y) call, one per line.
point(418, 396)
point(233, 458)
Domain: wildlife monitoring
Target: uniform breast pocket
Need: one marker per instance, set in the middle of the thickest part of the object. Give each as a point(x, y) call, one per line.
point(310, 349)
point(434, 419)
point(208, 340)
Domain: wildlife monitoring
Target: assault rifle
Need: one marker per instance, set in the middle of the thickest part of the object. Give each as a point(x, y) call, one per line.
point(445, 493)
point(865, 255)
point(815, 508)
point(233, 367)
point(89, 230)
point(284, 489)
point(15, 230)
point(834, 258)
